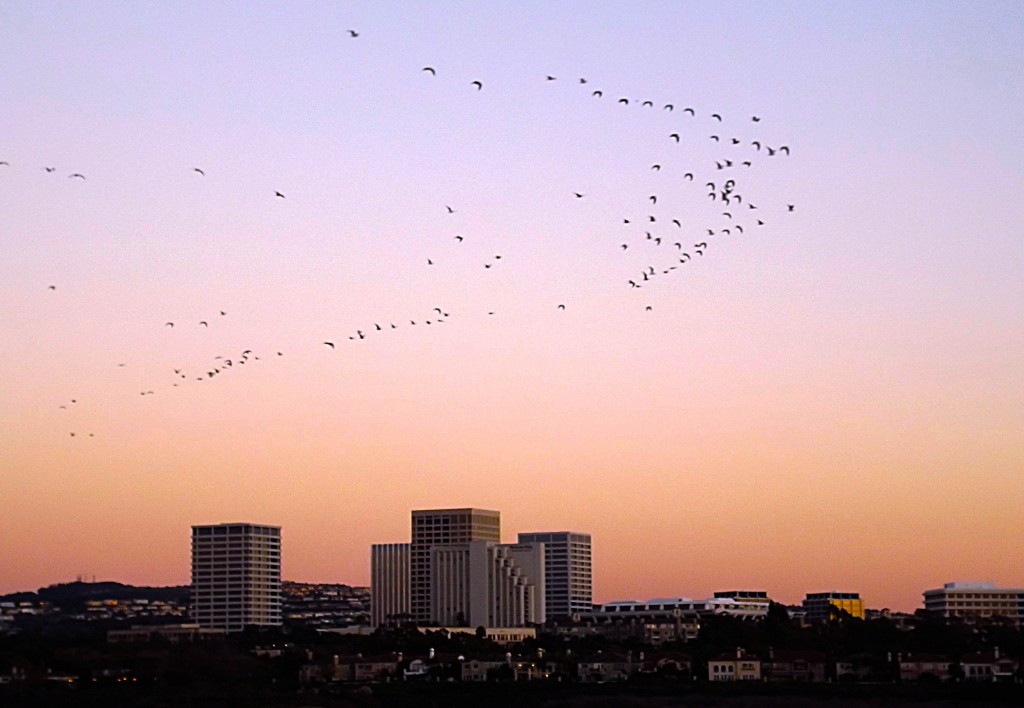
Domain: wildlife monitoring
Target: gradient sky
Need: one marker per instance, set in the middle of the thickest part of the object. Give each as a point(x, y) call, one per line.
point(832, 401)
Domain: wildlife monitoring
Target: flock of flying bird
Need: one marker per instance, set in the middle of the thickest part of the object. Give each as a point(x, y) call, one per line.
point(672, 240)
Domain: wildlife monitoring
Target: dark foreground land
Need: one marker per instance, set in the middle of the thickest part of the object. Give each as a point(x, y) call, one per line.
point(513, 695)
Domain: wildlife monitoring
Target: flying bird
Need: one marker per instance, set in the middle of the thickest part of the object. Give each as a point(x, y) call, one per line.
point(675, 135)
point(791, 207)
point(669, 107)
point(690, 111)
point(689, 176)
point(756, 119)
point(656, 167)
point(353, 34)
point(598, 93)
point(550, 78)
point(561, 307)
point(204, 323)
point(51, 287)
point(653, 198)
point(647, 103)
point(196, 169)
point(648, 308)
point(278, 194)
point(450, 210)
point(431, 69)
point(716, 117)
point(578, 195)
point(330, 344)
point(459, 239)
point(479, 85)
point(50, 169)
point(77, 174)
point(624, 101)
point(169, 324)
point(784, 148)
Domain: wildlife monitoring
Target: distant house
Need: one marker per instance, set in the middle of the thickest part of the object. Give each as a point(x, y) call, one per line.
point(734, 667)
point(484, 669)
point(794, 666)
point(861, 667)
point(918, 667)
point(604, 668)
point(374, 668)
point(664, 664)
point(989, 667)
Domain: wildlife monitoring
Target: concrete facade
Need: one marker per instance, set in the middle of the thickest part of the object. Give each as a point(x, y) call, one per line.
point(442, 527)
point(568, 571)
point(236, 576)
point(389, 583)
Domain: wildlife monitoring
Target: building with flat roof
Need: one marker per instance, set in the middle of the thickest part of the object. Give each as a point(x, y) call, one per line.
point(389, 583)
point(236, 576)
point(976, 601)
point(823, 606)
point(568, 569)
point(487, 584)
point(442, 527)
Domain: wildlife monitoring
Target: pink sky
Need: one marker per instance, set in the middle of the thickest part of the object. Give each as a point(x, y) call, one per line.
point(834, 400)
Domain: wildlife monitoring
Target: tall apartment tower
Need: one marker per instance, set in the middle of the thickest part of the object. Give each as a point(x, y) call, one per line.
point(442, 527)
point(389, 583)
point(568, 571)
point(236, 576)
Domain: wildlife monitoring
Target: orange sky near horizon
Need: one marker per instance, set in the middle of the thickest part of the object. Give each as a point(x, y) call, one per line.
point(832, 401)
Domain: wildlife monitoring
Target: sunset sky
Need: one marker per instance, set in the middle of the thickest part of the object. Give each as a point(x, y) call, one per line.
point(833, 400)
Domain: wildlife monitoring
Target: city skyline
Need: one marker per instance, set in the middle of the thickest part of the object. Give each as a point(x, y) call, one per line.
point(831, 401)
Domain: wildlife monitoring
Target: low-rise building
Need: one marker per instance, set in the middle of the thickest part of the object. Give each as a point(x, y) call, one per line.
point(174, 633)
point(794, 666)
point(976, 601)
point(989, 667)
point(824, 606)
point(924, 667)
point(734, 667)
point(604, 667)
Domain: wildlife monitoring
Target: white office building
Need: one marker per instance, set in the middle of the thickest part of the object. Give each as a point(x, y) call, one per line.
point(389, 583)
point(976, 601)
point(487, 584)
point(442, 527)
point(236, 576)
point(568, 571)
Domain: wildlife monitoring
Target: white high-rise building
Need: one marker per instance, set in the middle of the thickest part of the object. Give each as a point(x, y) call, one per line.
point(389, 583)
point(236, 576)
point(442, 527)
point(487, 584)
point(568, 572)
